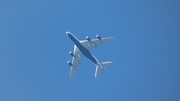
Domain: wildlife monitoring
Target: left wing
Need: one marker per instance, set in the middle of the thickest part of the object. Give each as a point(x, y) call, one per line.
point(75, 60)
point(95, 42)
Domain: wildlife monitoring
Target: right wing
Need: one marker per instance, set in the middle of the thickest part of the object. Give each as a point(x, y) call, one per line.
point(75, 60)
point(95, 42)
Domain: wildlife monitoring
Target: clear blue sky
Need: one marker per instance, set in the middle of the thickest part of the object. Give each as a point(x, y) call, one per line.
point(34, 50)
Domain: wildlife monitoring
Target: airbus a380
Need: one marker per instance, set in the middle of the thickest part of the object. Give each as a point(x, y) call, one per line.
point(82, 47)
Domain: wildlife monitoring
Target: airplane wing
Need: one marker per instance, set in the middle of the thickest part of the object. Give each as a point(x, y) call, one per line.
point(95, 42)
point(75, 60)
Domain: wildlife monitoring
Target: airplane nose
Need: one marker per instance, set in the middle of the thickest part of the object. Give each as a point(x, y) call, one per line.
point(67, 33)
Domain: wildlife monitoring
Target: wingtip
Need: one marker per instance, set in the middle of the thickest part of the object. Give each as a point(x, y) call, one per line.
point(96, 76)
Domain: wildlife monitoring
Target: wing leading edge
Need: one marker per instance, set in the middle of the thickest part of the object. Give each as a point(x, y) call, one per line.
point(75, 60)
point(95, 42)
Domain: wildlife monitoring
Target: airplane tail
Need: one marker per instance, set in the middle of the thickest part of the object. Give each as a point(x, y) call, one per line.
point(101, 67)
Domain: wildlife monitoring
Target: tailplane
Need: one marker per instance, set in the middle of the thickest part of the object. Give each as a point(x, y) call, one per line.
point(101, 67)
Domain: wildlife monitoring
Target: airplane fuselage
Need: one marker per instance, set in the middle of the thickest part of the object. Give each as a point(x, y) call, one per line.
point(83, 50)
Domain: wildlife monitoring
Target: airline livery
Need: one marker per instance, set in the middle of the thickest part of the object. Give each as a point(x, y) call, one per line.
point(82, 47)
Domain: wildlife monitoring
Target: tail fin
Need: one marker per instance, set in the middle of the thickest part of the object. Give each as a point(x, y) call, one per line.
point(99, 69)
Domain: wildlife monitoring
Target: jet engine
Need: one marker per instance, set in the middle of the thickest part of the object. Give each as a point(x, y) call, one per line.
point(97, 36)
point(71, 53)
point(69, 63)
point(88, 38)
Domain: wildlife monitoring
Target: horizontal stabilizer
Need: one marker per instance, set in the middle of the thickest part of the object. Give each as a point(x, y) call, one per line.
point(99, 69)
point(106, 64)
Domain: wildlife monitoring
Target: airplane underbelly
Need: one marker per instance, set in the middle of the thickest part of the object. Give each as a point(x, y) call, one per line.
point(86, 53)
point(92, 58)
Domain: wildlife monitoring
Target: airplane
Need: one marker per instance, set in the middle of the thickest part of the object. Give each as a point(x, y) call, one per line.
point(82, 47)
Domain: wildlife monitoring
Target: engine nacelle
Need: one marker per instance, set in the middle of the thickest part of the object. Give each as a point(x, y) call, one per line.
point(97, 36)
point(69, 63)
point(71, 53)
point(88, 38)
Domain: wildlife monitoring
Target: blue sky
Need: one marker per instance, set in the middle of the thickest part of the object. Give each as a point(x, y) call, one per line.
point(34, 50)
